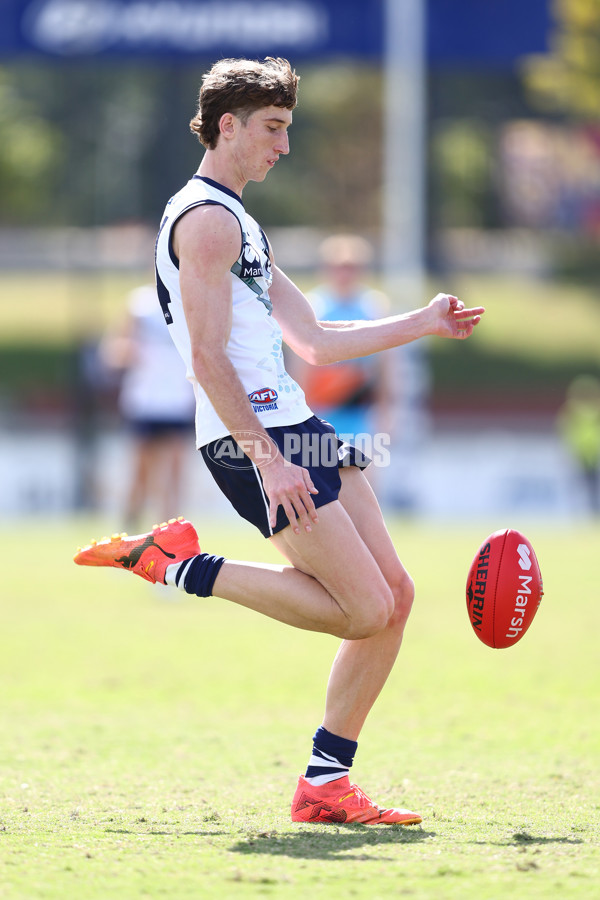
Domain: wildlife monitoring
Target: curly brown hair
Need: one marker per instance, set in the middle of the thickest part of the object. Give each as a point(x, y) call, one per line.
point(241, 86)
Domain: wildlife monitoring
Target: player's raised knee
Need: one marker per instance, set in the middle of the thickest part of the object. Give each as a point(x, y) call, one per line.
point(403, 590)
point(370, 616)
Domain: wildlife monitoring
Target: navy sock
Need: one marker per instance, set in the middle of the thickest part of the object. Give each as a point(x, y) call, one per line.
point(197, 574)
point(332, 757)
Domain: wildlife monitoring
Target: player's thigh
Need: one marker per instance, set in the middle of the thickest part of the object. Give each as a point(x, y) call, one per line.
point(359, 500)
point(337, 556)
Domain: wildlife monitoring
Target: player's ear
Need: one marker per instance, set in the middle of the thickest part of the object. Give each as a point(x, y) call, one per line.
point(227, 125)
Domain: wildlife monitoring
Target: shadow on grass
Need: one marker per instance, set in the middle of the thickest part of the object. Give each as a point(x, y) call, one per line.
point(328, 844)
point(172, 833)
point(524, 839)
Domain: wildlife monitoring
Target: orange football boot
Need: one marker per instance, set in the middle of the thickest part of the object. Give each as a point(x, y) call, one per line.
point(148, 555)
point(343, 803)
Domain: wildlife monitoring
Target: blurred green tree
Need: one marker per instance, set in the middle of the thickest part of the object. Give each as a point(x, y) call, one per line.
point(567, 79)
point(30, 152)
point(462, 162)
point(91, 144)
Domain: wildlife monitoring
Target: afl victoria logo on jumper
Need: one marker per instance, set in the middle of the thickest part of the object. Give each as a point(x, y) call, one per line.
point(263, 399)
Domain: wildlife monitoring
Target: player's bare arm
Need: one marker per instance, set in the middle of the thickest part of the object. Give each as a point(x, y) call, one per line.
point(207, 241)
point(321, 343)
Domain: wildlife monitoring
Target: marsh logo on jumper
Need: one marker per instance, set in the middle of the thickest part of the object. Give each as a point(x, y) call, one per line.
point(255, 273)
point(251, 267)
point(263, 399)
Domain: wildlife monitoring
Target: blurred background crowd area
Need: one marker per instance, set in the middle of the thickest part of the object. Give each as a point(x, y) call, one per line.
point(501, 112)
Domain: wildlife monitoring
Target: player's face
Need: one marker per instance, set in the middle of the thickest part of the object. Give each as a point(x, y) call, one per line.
point(262, 140)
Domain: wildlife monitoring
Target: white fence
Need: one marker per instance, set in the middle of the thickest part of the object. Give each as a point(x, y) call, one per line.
point(451, 475)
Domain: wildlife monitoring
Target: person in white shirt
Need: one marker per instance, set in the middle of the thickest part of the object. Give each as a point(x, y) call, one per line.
point(156, 403)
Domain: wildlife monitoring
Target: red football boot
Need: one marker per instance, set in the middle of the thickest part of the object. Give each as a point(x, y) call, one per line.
point(343, 803)
point(148, 555)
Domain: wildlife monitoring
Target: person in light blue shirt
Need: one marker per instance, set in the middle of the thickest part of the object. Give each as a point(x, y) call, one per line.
point(356, 396)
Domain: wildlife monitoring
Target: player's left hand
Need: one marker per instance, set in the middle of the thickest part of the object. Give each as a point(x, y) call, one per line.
point(290, 486)
point(452, 320)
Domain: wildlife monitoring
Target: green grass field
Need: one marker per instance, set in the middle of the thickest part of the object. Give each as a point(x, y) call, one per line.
point(535, 338)
point(149, 747)
point(539, 318)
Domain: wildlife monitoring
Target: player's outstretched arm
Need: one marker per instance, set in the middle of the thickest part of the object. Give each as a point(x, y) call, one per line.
point(321, 343)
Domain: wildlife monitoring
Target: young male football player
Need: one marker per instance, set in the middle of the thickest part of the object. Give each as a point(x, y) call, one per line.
point(229, 308)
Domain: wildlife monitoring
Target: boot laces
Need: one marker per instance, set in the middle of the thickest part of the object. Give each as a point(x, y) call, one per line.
point(363, 799)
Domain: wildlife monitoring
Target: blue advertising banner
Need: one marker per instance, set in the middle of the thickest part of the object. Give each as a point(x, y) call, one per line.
point(470, 31)
point(190, 28)
point(489, 32)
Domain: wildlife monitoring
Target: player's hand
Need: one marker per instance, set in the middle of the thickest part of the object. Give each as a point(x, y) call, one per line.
point(452, 319)
point(291, 487)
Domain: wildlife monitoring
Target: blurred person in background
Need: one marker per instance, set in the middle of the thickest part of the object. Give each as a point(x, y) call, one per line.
point(156, 403)
point(579, 426)
point(356, 396)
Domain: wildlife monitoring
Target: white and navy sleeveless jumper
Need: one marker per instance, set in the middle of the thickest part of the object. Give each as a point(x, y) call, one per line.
point(255, 342)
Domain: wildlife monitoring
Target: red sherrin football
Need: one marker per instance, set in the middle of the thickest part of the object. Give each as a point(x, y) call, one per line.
point(504, 588)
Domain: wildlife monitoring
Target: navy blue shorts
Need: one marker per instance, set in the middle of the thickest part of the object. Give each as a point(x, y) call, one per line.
point(312, 444)
point(153, 429)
